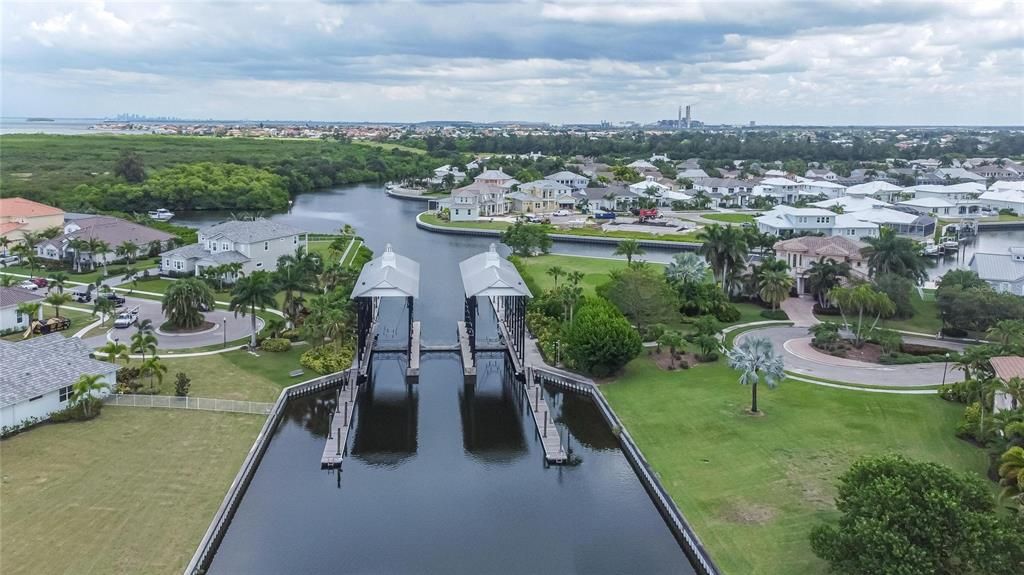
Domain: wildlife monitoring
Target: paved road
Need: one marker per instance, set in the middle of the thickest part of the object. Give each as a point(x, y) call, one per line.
point(800, 358)
point(237, 327)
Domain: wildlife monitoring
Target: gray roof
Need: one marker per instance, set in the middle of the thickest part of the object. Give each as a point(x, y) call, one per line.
point(389, 275)
point(44, 364)
point(489, 274)
point(998, 267)
point(247, 232)
point(114, 231)
point(565, 175)
point(198, 252)
point(14, 295)
point(600, 193)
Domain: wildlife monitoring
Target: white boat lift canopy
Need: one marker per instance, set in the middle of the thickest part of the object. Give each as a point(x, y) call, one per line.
point(490, 275)
point(389, 275)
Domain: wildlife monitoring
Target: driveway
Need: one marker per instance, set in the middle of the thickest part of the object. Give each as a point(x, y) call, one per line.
point(237, 327)
point(800, 310)
point(794, 345)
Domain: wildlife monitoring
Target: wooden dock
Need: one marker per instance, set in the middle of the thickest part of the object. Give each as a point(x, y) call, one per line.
point(336, 446)
point(506, 336)
point(413, 371)
point(544, 420)
point(468, 365)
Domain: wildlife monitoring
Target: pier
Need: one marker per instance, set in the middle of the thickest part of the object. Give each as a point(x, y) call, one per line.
point(533, 390)
point(336, 446)
point(413, 371)
point(466, 349)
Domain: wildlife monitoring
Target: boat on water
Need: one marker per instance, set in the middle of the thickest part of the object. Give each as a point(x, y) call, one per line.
point(950, 243)
point(161, 215)
point(930, 249)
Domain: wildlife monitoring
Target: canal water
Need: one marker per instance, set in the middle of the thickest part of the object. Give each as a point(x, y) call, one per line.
point(441, 478)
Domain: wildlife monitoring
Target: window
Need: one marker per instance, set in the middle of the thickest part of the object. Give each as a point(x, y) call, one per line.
point(20, 317)
point(456, 211)
point(178, 265)
point(266, 246)
point(66, 393)
point(36, 397)
point(295, 240)
point(259, 264)
point(225, 246)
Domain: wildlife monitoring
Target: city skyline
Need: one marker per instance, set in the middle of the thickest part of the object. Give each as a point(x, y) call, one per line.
point(775, 63)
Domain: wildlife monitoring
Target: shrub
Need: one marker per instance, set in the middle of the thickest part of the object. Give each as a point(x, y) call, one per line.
point(957, 392)
point(291, 334)
point(950, 331)
point(276, 344)
point(818, 310)
point(653, 332)
point(969, 426)
point(77, 412)
point(327, 358)
point(128, 378)
point(600, 340)
point(775, 314)
point(182, 383)
point(918, 349)
point(708, 357)
point(727, 313)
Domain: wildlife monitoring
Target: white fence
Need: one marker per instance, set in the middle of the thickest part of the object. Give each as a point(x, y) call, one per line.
point(197, 403)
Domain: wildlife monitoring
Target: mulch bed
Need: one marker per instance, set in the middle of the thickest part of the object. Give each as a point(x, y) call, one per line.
point(664, 359)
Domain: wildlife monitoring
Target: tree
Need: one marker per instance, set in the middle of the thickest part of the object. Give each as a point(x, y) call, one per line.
point(130, 166)
point(5, 242)
point(600, 340)
point(555, 272)
point(184, 301)
point(83, 391)
point(128, 250)
point(154, 367)
point(1008, 333)
point(686, 268)
point(182, 383)
point(822, 277)
point(58, 299)
point(774, 287)
point(754, 357)
point(525, 239)
point(976, 308)
point(889, 253)
point(673, 340)
point(58, 280)
point(293, 276)
point(30, 310)
point(254, 291)
point(77, 246)
point(725, 248)
point(630, 249)
point(1011, 473)
point(329, 318)
point(861, 299)
point(641, 294)
point(900, 290)
point(902, 517)
point(104, 307)
point(114, 351)
point(143, 342)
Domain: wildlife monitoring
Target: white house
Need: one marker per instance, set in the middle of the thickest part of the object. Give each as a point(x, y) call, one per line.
point(822, 188)
point(485, 197)
point(785, 191)
point(39, 373)
point(783, 219)
point(256, 244)
point(612, 198)
point(726, 191)
point(541, 196)
point(10, 298)
point(953, 193)
point(649, 186)
point(1004, 196)
point(801, 252)
point(926, 206)
point(440, 173)
point(903, 223)
point(112, 231)
point(642, 166)
point(1003, 271)
point(852, 202)
point(570, 179)
point(877, 189)
point(695, 175)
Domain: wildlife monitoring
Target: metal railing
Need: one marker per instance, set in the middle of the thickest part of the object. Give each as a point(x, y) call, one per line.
point(191, 403)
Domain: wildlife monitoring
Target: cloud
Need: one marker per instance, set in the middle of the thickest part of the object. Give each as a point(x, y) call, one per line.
point(772, 61)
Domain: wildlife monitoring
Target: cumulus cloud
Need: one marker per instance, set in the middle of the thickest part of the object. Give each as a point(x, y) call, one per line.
point(772, 61)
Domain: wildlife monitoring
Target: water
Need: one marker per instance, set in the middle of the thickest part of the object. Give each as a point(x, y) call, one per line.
point(441, 478)
point(989, 241)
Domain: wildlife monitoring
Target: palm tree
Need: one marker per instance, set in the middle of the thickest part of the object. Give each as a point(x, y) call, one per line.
point(1008, 333)
point(1014, 387)
point(83, 391)
point(58, 280)
point(1011, 473)
point(143, 342)
point(255, 291)
point(290, 279)
point(822, 277)
point(30, 309)
point(327, 319)
point(556, 272)
point(77, 246)
point(128, 250)
point(974, 362)
point(104, 307)
point(115, 351)
point(5, 242)
point(755, 356)
point(774, 287)
point(687, 268)
point(274, 326)
point(58, 299)
point(154, 367)
point(864, 299)
point(889, 253)
point(103, 248)
point(154, 248)
point(93, 245)
point(630, 249)
point(724, 247)
point(673, 341)
point(184, 301)
point(145, 326)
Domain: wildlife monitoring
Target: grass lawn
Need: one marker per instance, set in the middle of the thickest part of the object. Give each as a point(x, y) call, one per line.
point(387, 146)
point(595, 270)
point(236, 374)
point(500, 226)
point(132, 491)
point(729, 218)
point(753, 487)
point(430, 218)
point(925, 319)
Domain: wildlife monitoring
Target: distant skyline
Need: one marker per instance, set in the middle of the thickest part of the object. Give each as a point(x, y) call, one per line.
point(774, 62)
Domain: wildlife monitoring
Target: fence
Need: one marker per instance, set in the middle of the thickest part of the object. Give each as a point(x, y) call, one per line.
point(196, 403)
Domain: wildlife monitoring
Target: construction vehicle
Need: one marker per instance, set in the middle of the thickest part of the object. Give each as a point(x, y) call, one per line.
point(603, 215)
point(127, 318)
point(647, 215)
point(47, 326)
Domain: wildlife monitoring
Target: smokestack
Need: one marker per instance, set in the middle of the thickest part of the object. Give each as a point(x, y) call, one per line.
point(687, 116)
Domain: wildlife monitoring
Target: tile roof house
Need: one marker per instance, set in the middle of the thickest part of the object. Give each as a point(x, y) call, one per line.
point(485, 197)
point(113, 231)
point(10, 298)
point(18, 215)
point(38, 374)
point(1006, 368)
point(1003, 271)
point(541, 196)
point(256, 244)
point(615, 197)
point(801, 252)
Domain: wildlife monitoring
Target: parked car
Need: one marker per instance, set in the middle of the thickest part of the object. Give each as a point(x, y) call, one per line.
point(10, 261)
point(40, 282)
point(563, 213)
point(127, 318)
point(29, 285)
point(82, 295)
point(112, 296)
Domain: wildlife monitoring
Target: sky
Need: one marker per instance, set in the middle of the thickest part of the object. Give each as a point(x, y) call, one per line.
point(812, 62)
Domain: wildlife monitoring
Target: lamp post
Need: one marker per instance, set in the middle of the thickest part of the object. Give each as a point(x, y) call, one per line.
point(225, 320)
point(945, 364)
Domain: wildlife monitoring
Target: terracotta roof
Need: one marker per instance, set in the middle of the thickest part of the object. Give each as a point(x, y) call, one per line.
point(1008, 367)
point(9, 227)
point(20, 207)
point(822, 246)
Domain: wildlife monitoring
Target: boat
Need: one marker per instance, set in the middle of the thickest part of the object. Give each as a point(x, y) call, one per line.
point(950, 243)
point(929, 249)
point(161, 215)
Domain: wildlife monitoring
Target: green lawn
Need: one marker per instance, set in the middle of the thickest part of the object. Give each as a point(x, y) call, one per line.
point(236, 374)
point(729, 218)
point(595, 232)
point(132, 491)
point(114, 271)
point(434, 220)
point(595, 270)
point(753, 487)
point(925, 319)
point(388, 146)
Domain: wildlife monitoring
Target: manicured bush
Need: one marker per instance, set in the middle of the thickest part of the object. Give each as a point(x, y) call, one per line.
point(276, 344)
point(969, 426)
point(291, 334)
point(327, 358)
point(708, 357)
point(728, 313)
point(818, 310)
point(182, 384)
point(918, 349)
point(600, 340)
point(77, 412)
point(957, 392)
point(774, 314)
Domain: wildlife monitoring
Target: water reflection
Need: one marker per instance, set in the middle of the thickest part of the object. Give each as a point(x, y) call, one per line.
point(580, 414)
point(387, 418)
point(492, 424)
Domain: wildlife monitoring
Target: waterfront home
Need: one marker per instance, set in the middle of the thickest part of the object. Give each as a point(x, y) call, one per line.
point(112, 231)
point(1003, 271)
point(12, 320)
point(611, 198)
point(1003, 195)
point(255, 244)
point(852, 202)
point(440, 173)
point(18, 216)
point(569, 179)
point(39, 374)
point(541, 196)
point(787, 219)
point(903, 223)
point(929, 206)
point(801, 252)
point(485, 197)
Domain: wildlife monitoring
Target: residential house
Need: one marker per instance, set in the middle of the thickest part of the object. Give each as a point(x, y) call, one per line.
point(484, 198)
point(695, 175)
point(613, 198)
point(18, 215)
point(994, 172)
point(821, 174)
point(689, 164)
point(660, 157)
point(11, 320)
point(903, 223)
point(440, 173)
point(570, 179)
point(1003, 195)
point(851, 203)
point(821, 188)
point(783, 190)
point(112, 231)
point(255, 244)
point(963, 196)
point(959, 174)
point(642, 166)
point(787, 219)
point(1006, 367)
point(650, 186)
point(541, 196)
point(930, 206)
point(879, 189)
point(1003, 271)
point(39, 374)
point(801, 252)
point(726, 191)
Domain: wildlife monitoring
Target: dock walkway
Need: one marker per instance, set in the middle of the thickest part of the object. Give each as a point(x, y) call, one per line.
point(545, 422)
point(336, 446)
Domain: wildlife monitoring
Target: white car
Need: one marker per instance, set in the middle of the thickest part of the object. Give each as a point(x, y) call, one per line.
point(563, 213)
point(29, 285)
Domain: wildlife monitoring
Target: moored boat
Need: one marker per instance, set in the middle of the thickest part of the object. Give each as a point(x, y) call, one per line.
point(161, 215)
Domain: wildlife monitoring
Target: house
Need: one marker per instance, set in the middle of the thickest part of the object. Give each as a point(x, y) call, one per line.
point(783, 190)
point(903, 223)
point(39, 373)
point(929, 206)
point(255, 244)
point(689, 164)
point(695, 175)
point(642, 166)
point(726, 191)
point(963, 196)
point(541, 196)
point(801, 252)
point(821, 174)
point(1003, 271)
point(18, 215)
point(852, 202)
point(879, 189)
point(787, 219)
point(485, 197)
point(649, 186)
point(11, 320)
point(570, 179)
point(660, 158)
point(1003, 195)
point(440, 173)
point(612, 198)
point(994, 172)
point(112, 231)
point(1006, 367)
point(821, 188)
point(959, 174)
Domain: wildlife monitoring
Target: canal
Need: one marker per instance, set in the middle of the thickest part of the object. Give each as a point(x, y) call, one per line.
point(441, 478)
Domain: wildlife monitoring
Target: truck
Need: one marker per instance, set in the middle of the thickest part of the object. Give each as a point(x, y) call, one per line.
point(82, 295)
point(602, 215)
point(112, 296)
point(648, 214)
point(127, 318)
